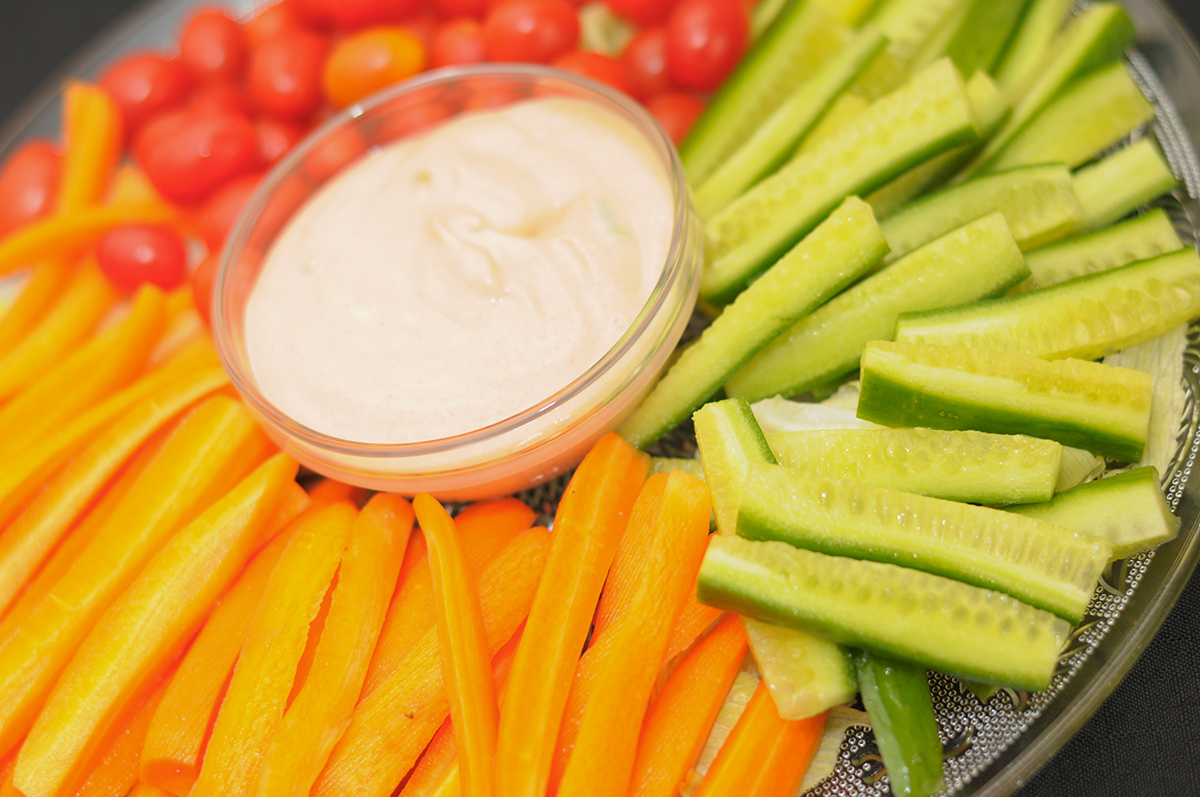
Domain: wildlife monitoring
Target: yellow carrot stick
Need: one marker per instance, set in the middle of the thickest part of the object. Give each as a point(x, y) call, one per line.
point(589, 521)
point(40, 292)
point(208, 452)
point(262, 679)
point(131, 186)
point(92, 128)
point(116, 771)
point(317, 716)
point(72, 234)
point(86, 300)
point(462, 640)
point(391, 726)
point(183, 327)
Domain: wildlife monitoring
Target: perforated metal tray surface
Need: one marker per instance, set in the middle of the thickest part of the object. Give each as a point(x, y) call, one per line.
point(997, 745)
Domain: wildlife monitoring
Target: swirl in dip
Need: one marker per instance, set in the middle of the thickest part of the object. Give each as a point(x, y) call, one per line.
point(453, 280)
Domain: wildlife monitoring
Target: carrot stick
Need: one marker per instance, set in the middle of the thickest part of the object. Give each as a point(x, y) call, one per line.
point(25, 543)
point(208, 452)
point(466, 662)
point(655, 565)
point(86, 300)
point(116, 770)
point(331, 491)
point(316, 717)
point(262, 679)
point(131, 186)
point(680, 718)
point(764, 756)
point(184, 325)
point(145, 628)
point(694, 619)
point(174, 743)
point(144, 789)
point(71, 234)
point(39, 294)
point(590, 519)
point(391, 726)
point(92, 128)
point(484, 528)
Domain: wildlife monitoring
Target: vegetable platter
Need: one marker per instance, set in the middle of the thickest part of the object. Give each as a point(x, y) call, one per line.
point(992, 745)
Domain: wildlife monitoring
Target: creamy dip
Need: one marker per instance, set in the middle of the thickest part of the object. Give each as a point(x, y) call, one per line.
point(454, 280)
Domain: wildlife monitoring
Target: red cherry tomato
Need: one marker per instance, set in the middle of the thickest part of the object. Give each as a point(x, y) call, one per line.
point(458, 42)
point(335, 152)
point(189, 162)
point(276, 137)
point(215, 98)
point(457, 9)
point(643, 12)
point(136, 254)
point(366, 62)
point(270, 21)
point(203, 279)
point(213, 46)
point(158, 129)
point(676, 112)
point(422, 27)
point(28, 184)
point(285, 74)
point(531, 30)
point(312, 13)
point(705, 40)
point(146, 85)
point(357, 14)
point(221, 211)
point(645, 63)
point(597, 66)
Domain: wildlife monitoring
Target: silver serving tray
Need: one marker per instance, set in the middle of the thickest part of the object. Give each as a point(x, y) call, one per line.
point(999, 744)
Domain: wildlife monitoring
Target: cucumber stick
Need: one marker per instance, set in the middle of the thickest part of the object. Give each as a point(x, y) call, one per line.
point(897, 698)
point(914, 29)
point(1129, 510)
point(1121, 183)
point(668, 464)
point(1090, 116)
point(800, 39)
point(959, 466)
point(1039, 27)
point(892, 611)
point(844, 108)
point(1036, 562)
point(1038, 203)
point(835, 254)
point(986, 29)
point(1139, 238)
point(1081, 404)
point(926, 116)
point(1086, 317)
point(977, 260)
point(773, 142)
point(729, 439)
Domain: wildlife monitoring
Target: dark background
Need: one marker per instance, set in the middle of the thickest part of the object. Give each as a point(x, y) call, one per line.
point(1143, 742)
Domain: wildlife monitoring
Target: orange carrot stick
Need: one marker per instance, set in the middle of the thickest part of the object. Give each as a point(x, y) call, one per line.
point(86, 300)
point(590, 519)
point(92, 128)
point(694, 619)
point(184, 325)
point(116, 770)
point(144, 789)
point(331, 491)
point(764, 756)
point(391, 726)
point(131, 186)
point(484, 528)
point(39, 293)
point(655, 565)
point(145, 628)
point(680, 718)
point(209, 451)
point(316, 717)
point(174, 743)
point(462, 639)
point(263, 677)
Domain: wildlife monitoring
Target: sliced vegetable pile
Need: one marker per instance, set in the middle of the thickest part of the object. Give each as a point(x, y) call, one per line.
point(935, 195)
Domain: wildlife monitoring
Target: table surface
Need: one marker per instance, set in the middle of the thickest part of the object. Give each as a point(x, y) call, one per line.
point(1143, 742)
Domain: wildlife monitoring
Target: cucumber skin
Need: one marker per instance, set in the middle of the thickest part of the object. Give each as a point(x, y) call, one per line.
point(897, 698)
point(891, 401)
point(847, 600)
point(987, 29)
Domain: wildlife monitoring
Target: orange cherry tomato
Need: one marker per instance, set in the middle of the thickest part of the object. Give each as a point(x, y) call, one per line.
point(676, 112)
point(29, 184)
point(277, 137)
point(531, 30)
point(597, 66)
point(203, 279)
point(705, 40)
point(458, 42)
point(285, 74)
point(196, 155)
point(220, 211)
point(358, 14)
point(136, 254)
point(369, 61)
point(644, 60)
point(145, 85)
point(213, 46)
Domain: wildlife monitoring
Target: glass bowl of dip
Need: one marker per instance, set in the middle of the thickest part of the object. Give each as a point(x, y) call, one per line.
point(573, 268)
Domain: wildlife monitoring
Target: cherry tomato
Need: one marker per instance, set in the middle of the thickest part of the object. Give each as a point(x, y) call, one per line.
point(187, 163)
point(136, 254)
point(270, 21)
point(597, 66)
point(705, 40)
point(676, 112)
point(423, 27)
point(458, 42)
point(145, 85)
point(457, 9)
point(203, 279)
point(29, 184)
point(643, 12)
point(358, 14)
point(420, 112)
point(486, 95)
point(222, 98)
point(213, 46)
point(285, 74)
point(369, 61)
point(335, 152)
point(531, 30)
point(221, 210)
point(157, 129)
point(644, 60)
point(312, 13)
point(276, 137)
